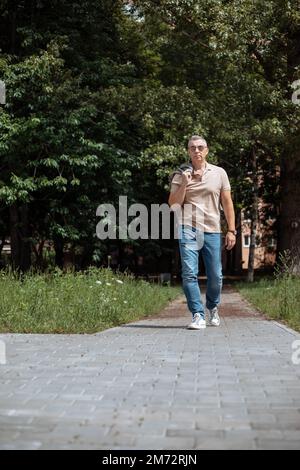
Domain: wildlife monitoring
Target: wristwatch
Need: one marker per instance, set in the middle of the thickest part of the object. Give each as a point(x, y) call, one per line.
point(232, 231)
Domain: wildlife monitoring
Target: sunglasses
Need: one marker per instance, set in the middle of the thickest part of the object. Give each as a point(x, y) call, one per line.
point(199, 147)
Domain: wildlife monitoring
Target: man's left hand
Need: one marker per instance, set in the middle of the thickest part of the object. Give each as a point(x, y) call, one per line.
point(230, 241)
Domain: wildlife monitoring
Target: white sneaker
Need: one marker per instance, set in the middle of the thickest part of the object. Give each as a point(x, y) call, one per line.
point(213, 317)
point(198, 323)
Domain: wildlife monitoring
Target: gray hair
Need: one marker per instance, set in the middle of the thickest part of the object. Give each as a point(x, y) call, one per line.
point(197, 137)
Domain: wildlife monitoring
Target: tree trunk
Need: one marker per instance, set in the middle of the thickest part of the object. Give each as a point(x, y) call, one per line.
point(19, 238)
point(59, 252)
point(237, 250)
point(87, 256)
point(289, 226)
point(38, 251)
point(254, 217)
point(289, 219)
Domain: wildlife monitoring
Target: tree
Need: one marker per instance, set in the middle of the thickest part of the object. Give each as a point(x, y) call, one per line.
point(102, 98)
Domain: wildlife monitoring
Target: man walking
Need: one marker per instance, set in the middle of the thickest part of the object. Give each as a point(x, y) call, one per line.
point(200, 188)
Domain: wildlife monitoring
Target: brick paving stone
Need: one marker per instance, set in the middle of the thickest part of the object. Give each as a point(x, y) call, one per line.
point(153, 384)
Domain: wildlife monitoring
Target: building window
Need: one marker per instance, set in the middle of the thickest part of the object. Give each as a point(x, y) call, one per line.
point(272, 243)
point(246, 241)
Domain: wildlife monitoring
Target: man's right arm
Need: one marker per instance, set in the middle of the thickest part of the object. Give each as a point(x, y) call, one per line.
point(177, 196)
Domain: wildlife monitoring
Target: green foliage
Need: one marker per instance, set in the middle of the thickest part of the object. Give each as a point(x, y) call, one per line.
point(102, 97)
point(278, 299)
point(84, 302)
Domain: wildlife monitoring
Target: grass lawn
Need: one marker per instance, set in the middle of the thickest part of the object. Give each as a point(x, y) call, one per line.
point(77, 302)
point(278, 299)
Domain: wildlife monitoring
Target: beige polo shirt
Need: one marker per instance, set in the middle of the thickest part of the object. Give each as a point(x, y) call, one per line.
point(201, 206)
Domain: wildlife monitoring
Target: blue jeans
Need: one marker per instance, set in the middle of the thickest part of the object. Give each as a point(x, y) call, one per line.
point(191, 242)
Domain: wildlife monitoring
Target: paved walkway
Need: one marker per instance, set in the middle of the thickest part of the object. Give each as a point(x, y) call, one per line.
point(153, 384)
